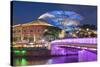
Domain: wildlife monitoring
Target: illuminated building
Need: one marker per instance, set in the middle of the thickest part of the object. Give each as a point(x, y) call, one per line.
point(29, 32)
point(66, 20)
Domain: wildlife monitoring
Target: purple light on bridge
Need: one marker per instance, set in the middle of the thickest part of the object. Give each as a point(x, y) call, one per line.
point(76, 40)
point(84, 55)
point(56, 50)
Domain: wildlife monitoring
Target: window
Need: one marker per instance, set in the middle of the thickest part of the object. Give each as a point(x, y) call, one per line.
point(19, 30)
point(24, 30)
point(31, 30)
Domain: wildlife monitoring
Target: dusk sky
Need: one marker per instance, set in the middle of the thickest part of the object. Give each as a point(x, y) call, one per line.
point(24, 12)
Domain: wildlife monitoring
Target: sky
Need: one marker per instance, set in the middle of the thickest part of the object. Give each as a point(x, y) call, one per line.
point(23, 12)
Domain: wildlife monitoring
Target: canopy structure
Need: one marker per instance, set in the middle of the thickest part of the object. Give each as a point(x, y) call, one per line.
point(66, 20)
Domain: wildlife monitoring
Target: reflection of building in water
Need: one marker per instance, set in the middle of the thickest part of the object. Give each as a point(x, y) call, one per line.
point(30, 61)
point(30, 32)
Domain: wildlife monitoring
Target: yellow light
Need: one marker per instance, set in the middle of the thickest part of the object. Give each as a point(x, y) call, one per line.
point(74, 35)
point(87, 29)
point(89, 32)
point(24, 45)
point(36, 45)
point(62, 34)
point(77, 32)
point(40, 45)
point(95, 32)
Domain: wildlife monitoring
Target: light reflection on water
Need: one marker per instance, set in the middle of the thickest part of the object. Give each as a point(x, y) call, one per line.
point(82, 56)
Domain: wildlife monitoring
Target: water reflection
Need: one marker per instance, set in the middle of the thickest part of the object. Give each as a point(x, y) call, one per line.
point(82, 56)
point(20, 61)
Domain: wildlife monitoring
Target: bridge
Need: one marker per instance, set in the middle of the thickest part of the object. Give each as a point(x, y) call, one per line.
point(64, 46)
point(73, 45)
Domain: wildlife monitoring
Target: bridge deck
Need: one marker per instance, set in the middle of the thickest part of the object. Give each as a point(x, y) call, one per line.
point(79, 46)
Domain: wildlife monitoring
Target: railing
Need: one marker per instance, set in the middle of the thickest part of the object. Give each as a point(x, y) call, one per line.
point(56, 50)
point(76, 40)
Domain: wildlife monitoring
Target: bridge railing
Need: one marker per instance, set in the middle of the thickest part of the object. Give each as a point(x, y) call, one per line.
point(76, 40)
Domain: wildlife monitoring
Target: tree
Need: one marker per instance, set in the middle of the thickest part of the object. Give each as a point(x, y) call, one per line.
point(52, 32)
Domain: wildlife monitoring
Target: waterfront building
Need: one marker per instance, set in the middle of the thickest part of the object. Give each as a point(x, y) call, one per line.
point(29, 32)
